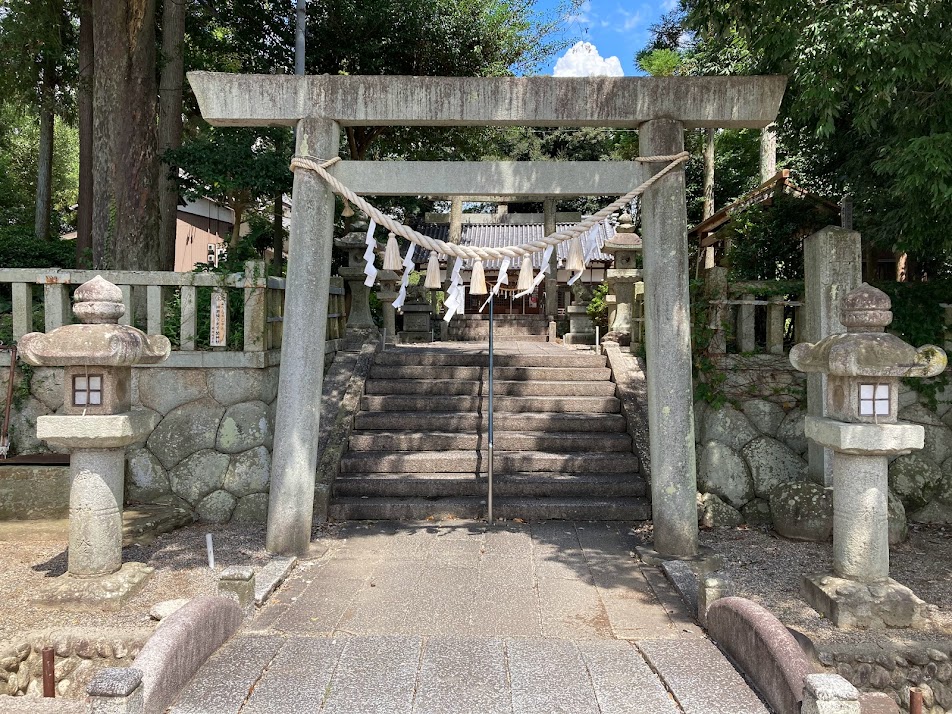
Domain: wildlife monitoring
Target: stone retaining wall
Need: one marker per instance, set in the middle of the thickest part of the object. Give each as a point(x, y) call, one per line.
point(752, 465)
point(211, 450)
point(78, 654)
point(895, 671)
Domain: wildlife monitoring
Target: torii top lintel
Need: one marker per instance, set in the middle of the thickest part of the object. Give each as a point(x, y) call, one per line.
point(387, 100)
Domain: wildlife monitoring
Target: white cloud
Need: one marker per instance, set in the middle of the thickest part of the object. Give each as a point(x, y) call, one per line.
point(583, 60)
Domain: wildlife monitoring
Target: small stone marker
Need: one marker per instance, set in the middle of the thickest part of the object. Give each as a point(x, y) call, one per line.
point(863, 369)
point(97, 425)
point(116, 690)
point(238, 582)
point(829, 694)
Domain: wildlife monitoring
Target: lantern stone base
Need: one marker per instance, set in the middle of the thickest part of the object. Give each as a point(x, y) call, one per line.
point(99, 592)
point(873, 606)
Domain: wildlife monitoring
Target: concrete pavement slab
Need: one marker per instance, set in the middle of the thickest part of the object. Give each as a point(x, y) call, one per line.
point(298, 677)
point(700, 677)
point(572, 609)
point(549, 676)
point(623, 681)
point(222, 685)
point(463, 675)
point(375, 674)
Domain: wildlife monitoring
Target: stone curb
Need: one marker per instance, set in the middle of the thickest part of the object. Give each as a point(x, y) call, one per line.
point(270, 577)
point(763, 649)
point(628, 373)
point(181, 645)
point(342, 418)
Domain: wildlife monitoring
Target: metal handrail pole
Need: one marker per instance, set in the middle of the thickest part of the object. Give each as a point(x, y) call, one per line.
point(490, 481)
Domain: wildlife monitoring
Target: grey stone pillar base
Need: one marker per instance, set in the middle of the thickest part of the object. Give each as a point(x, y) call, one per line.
point(703, 562)
point(100, 592)
point(622, 338)
point(874, 606)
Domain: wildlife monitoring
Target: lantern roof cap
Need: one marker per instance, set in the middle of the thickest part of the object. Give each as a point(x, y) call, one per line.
point(97, 340)
point(866, 350)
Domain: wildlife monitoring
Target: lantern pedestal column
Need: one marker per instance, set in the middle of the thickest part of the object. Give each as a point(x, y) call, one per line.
point(859, 592)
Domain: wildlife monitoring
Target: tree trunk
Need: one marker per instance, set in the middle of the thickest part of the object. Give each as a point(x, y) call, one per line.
point(768, 153)
point(709, 173)
point(125, 207)
point(44, 169)
point(170, 124)
point(239, 210)
point(84, 99)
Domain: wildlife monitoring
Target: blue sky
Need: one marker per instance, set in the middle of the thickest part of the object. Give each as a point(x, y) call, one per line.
point(617, 28)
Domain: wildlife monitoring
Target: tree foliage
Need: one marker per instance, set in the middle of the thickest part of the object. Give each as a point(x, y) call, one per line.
point(868, 103)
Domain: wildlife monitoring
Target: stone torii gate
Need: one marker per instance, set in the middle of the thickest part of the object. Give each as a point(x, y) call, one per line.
point(660, 108)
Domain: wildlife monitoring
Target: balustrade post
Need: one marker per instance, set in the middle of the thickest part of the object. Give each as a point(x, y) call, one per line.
point(189, 326)
point(155, 309)
point(746, 337)
point(56, 308)
point(716, 289)
point(22, 309)
point(775, 323)
point(255, 306)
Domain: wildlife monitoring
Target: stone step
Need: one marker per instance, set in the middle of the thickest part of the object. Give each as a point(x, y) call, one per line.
point(533, 374)
point(515, 337)
point(576, 405)
point(526, 484)
point(504, 441)
point(477, 388)
point(431, 358)
point(530, 509)
point(471, 461)
point(474, 422)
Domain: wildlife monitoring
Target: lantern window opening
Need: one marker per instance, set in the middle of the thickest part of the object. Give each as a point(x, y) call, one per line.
point(87, 390)
point(874, 400)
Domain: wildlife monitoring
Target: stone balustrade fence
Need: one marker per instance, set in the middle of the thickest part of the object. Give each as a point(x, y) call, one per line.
point(155, 299)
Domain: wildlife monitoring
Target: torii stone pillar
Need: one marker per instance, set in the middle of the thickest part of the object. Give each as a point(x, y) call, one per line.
point(291, 502)
point(668, 342)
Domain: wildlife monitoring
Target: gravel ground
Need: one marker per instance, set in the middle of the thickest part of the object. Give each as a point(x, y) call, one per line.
point(32, 555)
point(766, 568)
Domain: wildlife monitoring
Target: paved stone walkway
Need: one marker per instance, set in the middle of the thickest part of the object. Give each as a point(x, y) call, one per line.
point(457, 618)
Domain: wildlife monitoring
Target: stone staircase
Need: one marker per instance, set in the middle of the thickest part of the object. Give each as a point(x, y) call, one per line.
point(506, 328)
point(419, 445)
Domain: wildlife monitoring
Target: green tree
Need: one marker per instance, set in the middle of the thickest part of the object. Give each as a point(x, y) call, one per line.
point(38, 44)
point(867, 105)
point(237, 167)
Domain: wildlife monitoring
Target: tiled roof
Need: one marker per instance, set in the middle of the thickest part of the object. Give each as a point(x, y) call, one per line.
point(502, 235)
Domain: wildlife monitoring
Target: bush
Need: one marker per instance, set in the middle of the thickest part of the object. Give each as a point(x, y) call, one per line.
point(19, 248)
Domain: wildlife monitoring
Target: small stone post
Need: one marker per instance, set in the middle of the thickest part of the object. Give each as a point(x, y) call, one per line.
point(668, 340)
point(387, 294)
point(832, 266)
point(116, 690)
point(416, 317)
point(625, 246)
point(863, 368)
point(98, 423)
point(581, 328)
point(293, 469)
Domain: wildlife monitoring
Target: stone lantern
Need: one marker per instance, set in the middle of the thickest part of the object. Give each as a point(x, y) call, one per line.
point(355, 245)
point(863, 367)
point(625, 247)
point(97, 424)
